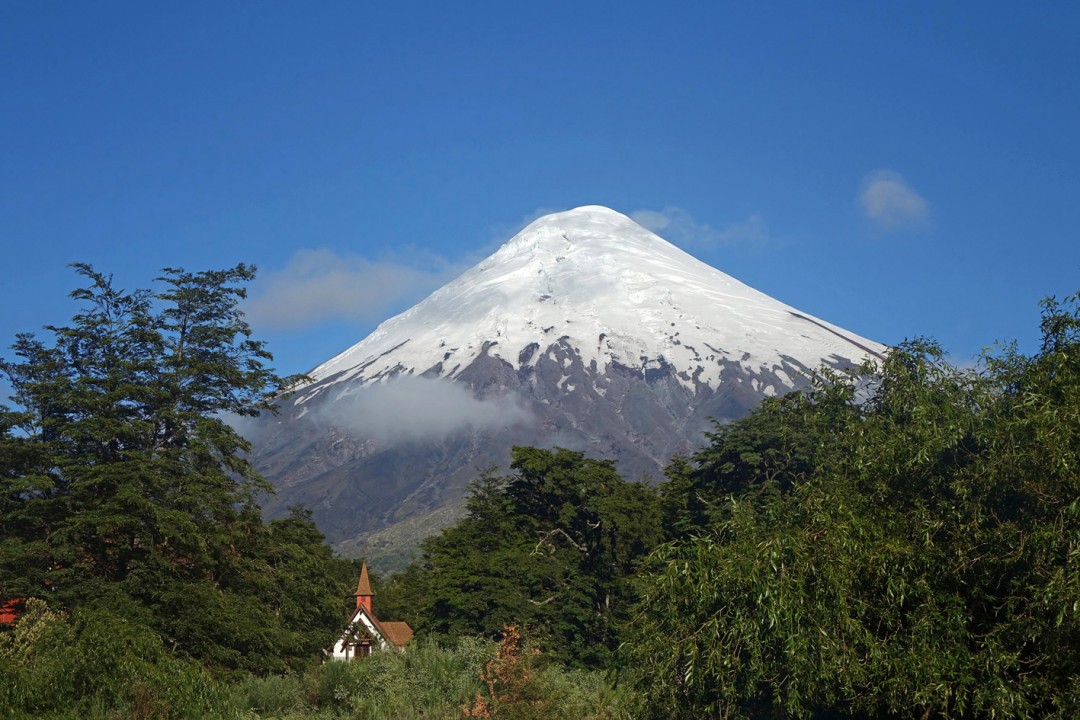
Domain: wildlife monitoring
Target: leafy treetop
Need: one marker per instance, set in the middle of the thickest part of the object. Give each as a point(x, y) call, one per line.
point(122, 484)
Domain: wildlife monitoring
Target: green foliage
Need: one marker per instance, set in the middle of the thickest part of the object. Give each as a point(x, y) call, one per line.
point(913, 554)
point(901, 542)
point(97, 664)
point(427, 681)
point(758, 459)
point(271, 695)
point(550, 548)
point(123, 489)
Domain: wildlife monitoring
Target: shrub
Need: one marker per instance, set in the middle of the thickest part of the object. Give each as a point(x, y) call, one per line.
point(92, 664)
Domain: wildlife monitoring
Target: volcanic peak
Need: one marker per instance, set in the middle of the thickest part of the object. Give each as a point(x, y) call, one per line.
point(615, 292)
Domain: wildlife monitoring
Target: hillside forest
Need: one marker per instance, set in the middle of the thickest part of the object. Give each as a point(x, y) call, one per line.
point(901, 541)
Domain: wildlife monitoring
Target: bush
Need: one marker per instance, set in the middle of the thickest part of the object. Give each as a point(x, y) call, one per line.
point(429, 681)
point(93, 664)
point(270, 696)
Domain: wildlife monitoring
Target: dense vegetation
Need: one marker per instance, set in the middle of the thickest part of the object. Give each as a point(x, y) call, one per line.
point(900, 541)
point(86, 665)
point(903, 541)
point(550, 548)
point(124, 490)
point(905, 548)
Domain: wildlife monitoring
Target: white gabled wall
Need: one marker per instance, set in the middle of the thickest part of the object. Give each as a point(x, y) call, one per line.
point(360, 617)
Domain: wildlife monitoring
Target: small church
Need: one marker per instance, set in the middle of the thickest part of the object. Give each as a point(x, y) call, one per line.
point(365, 633)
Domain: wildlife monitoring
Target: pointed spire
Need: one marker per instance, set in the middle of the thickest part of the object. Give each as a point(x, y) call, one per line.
point(363, 590)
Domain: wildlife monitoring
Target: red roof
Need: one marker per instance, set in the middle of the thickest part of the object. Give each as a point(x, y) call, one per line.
point(10, 610)
point(397, 633)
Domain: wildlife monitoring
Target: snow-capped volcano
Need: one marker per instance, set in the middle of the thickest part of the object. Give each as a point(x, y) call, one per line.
point(584, 330)
point(616, 292)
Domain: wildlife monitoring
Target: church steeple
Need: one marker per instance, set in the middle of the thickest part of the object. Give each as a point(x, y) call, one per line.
point(364, 592)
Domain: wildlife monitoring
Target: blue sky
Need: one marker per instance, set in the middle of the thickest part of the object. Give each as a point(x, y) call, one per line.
point(899, 169)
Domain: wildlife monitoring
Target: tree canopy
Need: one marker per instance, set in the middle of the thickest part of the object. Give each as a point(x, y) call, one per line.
point(550, 547)
point(123, 486)
point(907, 548)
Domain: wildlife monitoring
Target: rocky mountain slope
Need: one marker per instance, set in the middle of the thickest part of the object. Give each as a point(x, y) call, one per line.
point(585, 330)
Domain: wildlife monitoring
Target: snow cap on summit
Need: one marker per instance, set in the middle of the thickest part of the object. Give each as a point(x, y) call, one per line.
point(617, 293)
point(582, 216)
point(584, 225)
point(594, 210)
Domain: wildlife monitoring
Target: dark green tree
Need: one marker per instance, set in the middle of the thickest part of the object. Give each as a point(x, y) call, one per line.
point(550, 548)
point(759, 459)
point(917, 558)
point(124, 486)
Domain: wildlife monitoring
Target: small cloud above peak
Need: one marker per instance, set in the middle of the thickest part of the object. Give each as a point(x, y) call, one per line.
point(890, 202)
point(679, 226)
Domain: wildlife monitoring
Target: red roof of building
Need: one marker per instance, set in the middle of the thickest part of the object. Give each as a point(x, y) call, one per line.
point(397, 633)
point(10, 610)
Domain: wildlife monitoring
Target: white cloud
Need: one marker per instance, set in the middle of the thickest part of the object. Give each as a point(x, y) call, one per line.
point(320, 285)
point(679, 226)
point(651, 219)
point(890, 202)
point(414, 408)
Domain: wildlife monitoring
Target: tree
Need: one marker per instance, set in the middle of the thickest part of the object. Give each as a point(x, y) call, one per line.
point(922, 560)
point(759, 459)
point(549, 548)
point(123, 484)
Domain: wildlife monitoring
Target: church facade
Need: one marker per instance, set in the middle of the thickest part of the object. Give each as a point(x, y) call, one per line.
point(364, 632)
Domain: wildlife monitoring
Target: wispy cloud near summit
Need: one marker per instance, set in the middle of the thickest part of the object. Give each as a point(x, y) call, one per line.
point(413, 408)
point(679, 227)
point(319, 285)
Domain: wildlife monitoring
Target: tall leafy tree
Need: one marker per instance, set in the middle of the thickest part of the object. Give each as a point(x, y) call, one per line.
point(920, 561)
point(122, 483)
point(759, 459)
point(551, 548)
